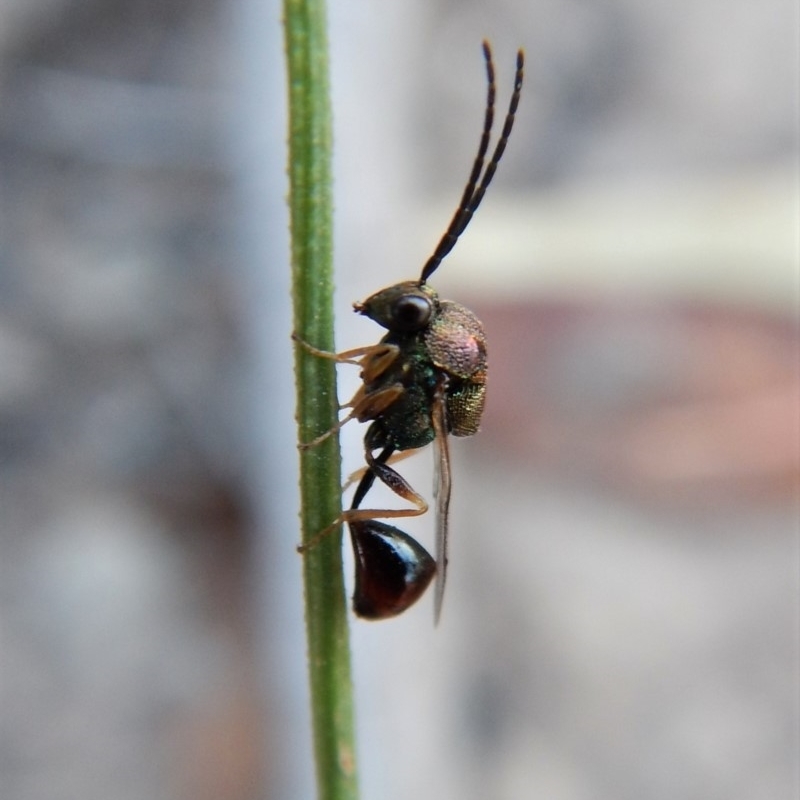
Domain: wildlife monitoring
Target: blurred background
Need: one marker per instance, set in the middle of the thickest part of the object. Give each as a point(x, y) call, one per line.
point(622, 610)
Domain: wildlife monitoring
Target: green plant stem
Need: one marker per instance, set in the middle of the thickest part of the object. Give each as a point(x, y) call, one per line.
point(317, 405)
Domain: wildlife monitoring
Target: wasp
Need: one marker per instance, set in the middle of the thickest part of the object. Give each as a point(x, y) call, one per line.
point(424, 380)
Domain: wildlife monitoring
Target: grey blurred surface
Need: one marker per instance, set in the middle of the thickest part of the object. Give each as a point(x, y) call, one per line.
point(622, 609)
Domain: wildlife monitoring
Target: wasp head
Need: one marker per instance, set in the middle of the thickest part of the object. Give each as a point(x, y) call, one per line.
point(406, 307)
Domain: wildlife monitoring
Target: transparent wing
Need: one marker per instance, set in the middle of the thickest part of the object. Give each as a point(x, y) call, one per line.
point(441, 490)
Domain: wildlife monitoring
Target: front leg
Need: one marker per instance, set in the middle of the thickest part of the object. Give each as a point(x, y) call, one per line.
point(374, 360)
point(356, 356)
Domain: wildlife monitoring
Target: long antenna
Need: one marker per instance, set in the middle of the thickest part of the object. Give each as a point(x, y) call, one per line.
point(474, 191)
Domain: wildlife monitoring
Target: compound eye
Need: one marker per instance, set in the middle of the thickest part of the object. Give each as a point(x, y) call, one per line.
point(411, 313)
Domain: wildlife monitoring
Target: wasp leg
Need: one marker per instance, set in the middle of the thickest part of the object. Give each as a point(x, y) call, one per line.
point(367, 407)
point(359, 473)
point(388, 476)
point(391, 478)
point(373, 365)
point(374, 360)
point(377, 361)
point(356, 356)
point(361, 515)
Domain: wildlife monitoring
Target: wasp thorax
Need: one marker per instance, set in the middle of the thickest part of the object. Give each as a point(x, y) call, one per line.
point(405, 307)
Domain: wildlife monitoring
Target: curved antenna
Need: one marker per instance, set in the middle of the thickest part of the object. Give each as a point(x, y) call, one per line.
point(474, 191)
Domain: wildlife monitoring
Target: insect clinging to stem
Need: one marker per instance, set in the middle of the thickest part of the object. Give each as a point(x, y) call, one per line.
point(424, 380)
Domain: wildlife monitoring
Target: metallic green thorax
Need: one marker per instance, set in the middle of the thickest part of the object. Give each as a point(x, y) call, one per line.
point(452, 343)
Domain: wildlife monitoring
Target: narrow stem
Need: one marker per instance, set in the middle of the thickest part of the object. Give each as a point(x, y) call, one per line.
point(317, 405)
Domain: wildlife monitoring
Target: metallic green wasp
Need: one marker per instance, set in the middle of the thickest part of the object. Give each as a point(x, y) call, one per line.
point(424, 380)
